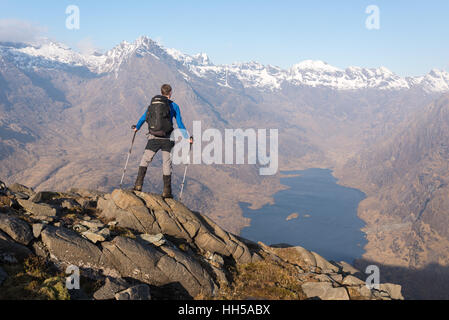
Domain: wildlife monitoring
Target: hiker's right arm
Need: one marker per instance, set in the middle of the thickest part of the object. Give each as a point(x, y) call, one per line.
point(141, 121)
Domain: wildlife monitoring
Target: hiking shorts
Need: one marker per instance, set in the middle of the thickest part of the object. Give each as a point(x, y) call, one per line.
point(153, 146)
point(156, 144)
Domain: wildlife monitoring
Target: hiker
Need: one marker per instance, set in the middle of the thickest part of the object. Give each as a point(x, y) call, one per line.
point(159, 117)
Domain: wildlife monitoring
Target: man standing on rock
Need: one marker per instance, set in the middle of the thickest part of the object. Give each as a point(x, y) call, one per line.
point(159, 117)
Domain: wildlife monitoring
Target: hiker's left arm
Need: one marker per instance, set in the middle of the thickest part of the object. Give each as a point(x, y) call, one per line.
point(178, 117)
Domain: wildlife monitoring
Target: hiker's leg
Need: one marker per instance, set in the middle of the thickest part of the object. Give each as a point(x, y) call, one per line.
point(167, 168)
point(140, 177)
point(147, 157)
point(167, 187)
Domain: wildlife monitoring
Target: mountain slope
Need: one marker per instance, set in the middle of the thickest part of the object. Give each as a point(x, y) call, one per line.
point(406, 179)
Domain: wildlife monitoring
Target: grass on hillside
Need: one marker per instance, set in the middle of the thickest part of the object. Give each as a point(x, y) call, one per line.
point(33, 280)
point(269, 279)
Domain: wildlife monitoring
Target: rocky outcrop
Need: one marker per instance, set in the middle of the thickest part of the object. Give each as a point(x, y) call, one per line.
point(69, 248)
point(18, 188)
point(11, 251)
point(140, 292)
point(147, 263)
point(36, 209)
point(147, 213)
point(325, 280)
point(110, 288)
point(17, 229)
point(161, 248)
point(324, 291)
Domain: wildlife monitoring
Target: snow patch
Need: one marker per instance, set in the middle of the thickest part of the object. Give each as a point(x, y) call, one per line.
point(312, 73)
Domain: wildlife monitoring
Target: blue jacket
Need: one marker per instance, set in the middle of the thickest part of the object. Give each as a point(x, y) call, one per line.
point(174, 113)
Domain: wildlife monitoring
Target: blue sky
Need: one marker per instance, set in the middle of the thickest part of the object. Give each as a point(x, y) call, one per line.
point(412, 39)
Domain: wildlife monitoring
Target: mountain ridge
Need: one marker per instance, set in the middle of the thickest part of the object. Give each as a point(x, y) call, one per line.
point(312, 73)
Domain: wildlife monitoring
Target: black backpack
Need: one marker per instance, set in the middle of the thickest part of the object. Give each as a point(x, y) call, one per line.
point(158, 117)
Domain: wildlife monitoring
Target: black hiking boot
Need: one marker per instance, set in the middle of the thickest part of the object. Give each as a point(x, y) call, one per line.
point(166, 194)
point(140, 176)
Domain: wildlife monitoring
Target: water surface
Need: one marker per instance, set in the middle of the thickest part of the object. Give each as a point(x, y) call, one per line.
point(327, 221)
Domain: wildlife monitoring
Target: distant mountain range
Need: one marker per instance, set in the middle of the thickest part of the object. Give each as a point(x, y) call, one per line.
point(310, 73)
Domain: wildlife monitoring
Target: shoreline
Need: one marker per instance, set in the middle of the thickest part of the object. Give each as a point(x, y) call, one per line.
point(271, 216)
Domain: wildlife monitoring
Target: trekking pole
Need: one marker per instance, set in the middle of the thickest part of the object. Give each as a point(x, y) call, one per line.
point(185, 173)
point(127, 158)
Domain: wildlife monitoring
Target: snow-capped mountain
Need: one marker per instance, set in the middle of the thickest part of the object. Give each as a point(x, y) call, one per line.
point(249, 75)
point(320, 74)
